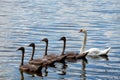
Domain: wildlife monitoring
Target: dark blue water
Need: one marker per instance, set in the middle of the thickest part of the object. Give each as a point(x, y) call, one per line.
point(26, 21)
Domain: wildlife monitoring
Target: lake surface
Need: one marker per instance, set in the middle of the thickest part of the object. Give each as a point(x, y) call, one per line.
point(26, 21)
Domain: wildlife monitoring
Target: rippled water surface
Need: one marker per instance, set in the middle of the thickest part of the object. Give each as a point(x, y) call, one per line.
point(26, 21)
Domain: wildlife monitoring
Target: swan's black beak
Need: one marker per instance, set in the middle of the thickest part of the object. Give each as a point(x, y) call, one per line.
point(17, 50)
point(62, 38)
point(80, 30)
point(42, 40)
point(31, 44)
point(21, 48)
point(45, 39)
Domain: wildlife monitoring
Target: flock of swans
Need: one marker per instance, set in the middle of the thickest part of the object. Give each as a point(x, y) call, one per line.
point(36, 65)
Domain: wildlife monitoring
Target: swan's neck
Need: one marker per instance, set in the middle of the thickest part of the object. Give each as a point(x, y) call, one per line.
point(33, 51)
point(22, 60)
point(46, 48)
point(84, 42)
point(64, 45)
point(22, 76)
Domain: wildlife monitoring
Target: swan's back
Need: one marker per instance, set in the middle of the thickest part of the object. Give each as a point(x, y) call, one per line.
point(71, 55)
point(96, 51)
point(93, 51)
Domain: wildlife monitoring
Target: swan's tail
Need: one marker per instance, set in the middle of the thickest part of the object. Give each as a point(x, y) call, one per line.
point(107, 50)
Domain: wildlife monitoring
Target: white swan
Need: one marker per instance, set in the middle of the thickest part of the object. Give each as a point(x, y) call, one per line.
point(96, 51)
point(92, 51)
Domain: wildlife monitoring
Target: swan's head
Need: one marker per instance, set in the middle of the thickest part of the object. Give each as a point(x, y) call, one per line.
point(63, 38)
point(45, 40)
point(83, 30)
point(21, 48)
point(31, 45)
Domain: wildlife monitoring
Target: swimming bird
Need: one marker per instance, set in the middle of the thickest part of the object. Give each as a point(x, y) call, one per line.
point(46, 56)
point(92, 51)
point(72, 55)
point(57, 58)
point(40, 61)
point(68, 54)
point(27, 67)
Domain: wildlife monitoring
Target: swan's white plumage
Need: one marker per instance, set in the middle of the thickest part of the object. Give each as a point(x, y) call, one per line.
point(92, 51)
point(96, 51)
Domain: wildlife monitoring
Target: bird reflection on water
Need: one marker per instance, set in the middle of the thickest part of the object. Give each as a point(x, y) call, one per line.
point(61, 68)
point(40, 74)
point(83, 74)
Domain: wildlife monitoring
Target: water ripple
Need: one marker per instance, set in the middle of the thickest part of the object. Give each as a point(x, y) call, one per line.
point(23, 22)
